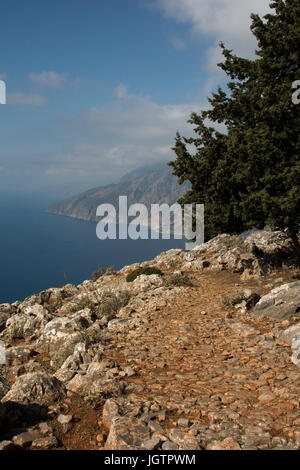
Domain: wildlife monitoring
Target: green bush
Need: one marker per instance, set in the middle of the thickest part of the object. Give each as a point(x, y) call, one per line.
point(177, 279)
point(61, 356)
point(233, 299)
point(146, 270)
point(111, 304)
point(102, 272)
point(89, 336)
point(85, 302)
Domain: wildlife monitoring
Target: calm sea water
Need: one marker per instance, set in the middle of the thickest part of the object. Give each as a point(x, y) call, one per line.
point(40, 250)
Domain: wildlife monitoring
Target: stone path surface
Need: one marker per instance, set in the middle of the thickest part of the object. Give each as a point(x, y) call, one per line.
point(222, 371)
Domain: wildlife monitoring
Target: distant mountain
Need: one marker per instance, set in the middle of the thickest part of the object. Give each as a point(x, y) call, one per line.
point(146, 185)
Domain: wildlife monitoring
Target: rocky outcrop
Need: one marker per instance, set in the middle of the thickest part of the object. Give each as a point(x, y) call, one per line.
point(205, 356)
point(256, 255)
point(36, 387)
point(281, 303)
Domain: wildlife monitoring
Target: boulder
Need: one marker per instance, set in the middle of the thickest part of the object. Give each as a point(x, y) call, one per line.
point(269, 242)
point(18, 355)
point(281, 303)
point(36, 387)
point(127, 434)
point(110, 411)
point(63, 329)
point(27, 325)
point(290, 335)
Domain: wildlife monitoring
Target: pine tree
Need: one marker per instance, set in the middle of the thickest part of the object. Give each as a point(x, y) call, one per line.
point(249, 176)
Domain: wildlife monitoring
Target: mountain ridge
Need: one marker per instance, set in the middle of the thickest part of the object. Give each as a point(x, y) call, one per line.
point(146, 185)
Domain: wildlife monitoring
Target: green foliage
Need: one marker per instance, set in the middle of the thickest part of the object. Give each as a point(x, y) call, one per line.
point(62, 355)
point(177, 280)
point(111, 304)
point(249, 174)
point(102, 272)
point(81, 304)
point(146, 270)
point(89, 337)
point(233, 299)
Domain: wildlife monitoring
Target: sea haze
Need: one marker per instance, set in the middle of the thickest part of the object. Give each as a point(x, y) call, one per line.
point(40, 250)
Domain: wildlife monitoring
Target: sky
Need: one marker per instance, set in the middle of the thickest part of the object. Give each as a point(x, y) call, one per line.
point(97, 88)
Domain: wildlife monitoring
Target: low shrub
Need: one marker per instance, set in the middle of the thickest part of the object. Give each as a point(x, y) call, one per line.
point(233, 299)
point(177, 280)
point(89, 337)
point(81, 304)
point(147, 270)
point(62, 355)
point(111, 304)
point(102, 272)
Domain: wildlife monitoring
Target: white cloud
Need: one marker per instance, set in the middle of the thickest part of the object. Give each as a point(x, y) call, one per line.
point(48, 79)
point(142, 132)
point(25, 99)
point(218, 20)
point(121, 91)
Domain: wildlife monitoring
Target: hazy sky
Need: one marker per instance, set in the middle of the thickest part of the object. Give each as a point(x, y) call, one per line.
point(99, 87)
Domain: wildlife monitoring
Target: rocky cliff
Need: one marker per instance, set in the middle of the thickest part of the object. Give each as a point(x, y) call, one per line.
point(149, 185)
point(205, 354)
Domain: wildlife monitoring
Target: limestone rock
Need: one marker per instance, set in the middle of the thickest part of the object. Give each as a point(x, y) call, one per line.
point(126, 434)
point(62, 329)
point(110, 411)
point(36, 387)
point(281, 303)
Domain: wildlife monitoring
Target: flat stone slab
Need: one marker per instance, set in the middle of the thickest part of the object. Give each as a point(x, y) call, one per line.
point(281, 303)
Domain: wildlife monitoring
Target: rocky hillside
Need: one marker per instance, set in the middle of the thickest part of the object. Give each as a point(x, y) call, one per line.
point(146, 185)
point(205, 355)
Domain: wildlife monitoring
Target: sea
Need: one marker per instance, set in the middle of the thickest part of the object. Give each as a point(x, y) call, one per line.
point(39, 250)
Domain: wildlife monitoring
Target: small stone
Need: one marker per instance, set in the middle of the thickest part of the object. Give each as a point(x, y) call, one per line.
point(151, 444)
point(129, 372)
point(226, 444)
point(45, 428)
point(44, 443)
point(25, 439)
point(267, 396)
point(64, 419)
point(168, 445)
point(184, 422)
point(161, 416)
point(100, 438)
point(155, 427)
